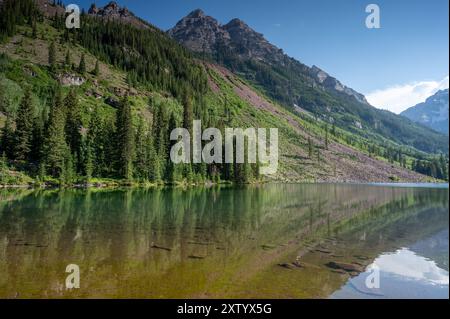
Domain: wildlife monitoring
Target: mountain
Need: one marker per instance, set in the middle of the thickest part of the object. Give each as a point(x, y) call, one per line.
point(204, 34)
point(112, 11)
point(295, 85)
point(124, 88)
point(432, 113)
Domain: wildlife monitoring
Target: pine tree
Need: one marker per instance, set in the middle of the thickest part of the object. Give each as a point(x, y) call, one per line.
point(96, 70)
point(55, 147)
point(125, 140)
point(52, 56)
point(4, 102)
point(188, 112)
point(153, 166)
point(88, 167)
point(172, 171)
point(73, 126)
point(326, 136)
point(310, 147)
point(140, 164)
point(34, 26)
point(160, 129)
point(24, 128)
point(67, 173)
point(3, 166)
point(8, 137)
point(67, 60)
point(82, 65)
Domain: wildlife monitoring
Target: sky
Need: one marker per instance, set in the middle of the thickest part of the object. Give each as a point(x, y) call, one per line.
point(395, 66)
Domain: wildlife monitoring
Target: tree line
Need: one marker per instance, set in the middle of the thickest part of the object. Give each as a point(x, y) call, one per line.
point(126, 147)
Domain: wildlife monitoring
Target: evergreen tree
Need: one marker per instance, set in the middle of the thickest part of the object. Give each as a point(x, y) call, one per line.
point(52, 56)
point(88, 168)
point(4, 102)
point(125, 140)
point(8, 137)
point(73, 127)
point(160, 129)
point(3, 166)
point(67, 60)
point(96, 70)
point(55, 148)
point(188, 112)
point(153, 165)
point(82, 65)
point(172, 171)
point(310, 147)
point(24, 128)
point(34, 27)
point(141, 160)
point(67, 173)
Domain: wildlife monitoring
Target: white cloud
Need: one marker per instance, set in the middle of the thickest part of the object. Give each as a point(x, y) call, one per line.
point(400, 97)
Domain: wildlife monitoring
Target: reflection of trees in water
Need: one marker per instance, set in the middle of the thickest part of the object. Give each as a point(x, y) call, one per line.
point(41, 232)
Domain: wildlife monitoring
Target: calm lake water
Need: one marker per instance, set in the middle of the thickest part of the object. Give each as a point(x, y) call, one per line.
point(271, 241)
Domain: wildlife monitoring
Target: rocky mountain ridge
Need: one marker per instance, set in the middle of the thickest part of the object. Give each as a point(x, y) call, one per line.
point(113, 11)
point(204, 34)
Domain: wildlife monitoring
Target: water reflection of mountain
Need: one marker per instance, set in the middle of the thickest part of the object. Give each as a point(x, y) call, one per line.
point(434, 248)
point(217, 242)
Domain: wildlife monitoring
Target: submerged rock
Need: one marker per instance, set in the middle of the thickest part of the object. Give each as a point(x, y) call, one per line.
point(350, 268)
point(268, 246)
point(360, 257)
point(196, 257)
point(160, 247)
point(339, 271)
point(324, 251)
point(294, 265)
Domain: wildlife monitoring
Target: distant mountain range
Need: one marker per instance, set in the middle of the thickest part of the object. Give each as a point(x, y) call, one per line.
point(432, 113)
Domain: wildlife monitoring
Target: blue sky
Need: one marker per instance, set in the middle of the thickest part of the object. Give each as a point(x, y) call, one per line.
point(407, 57)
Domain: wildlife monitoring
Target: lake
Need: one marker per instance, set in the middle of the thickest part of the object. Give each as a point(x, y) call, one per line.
point(269, 241)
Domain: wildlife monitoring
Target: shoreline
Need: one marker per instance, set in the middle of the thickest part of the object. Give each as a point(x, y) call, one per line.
point(136, 185)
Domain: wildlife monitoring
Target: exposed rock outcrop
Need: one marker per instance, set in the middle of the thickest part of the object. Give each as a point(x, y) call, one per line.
point(67, 79)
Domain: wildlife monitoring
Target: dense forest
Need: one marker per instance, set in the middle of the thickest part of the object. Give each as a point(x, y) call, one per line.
point(55, 144)
point(50, 137)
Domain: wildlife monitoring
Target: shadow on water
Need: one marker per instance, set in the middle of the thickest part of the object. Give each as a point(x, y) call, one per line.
point(272, 241)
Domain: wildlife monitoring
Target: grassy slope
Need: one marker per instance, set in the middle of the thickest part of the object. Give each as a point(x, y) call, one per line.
point(339, 162)
point(248, 108)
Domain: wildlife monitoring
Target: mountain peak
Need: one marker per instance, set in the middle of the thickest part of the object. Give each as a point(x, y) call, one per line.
point(202, 33)
point(197, 13)
point(237, 25)
point(237, 22)
point(115, 12)
point(199, 32)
